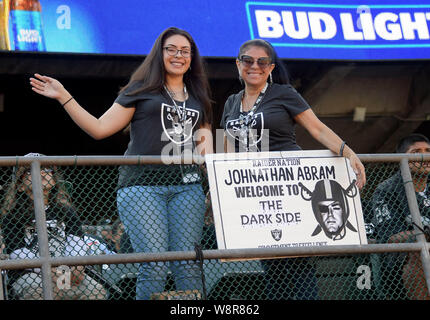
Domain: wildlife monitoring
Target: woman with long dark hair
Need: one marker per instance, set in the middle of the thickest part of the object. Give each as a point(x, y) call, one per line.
point(64, 230)
point(262, 117)
point(167, 107)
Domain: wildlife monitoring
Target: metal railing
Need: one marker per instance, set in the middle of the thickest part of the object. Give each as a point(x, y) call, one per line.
point(46, 262)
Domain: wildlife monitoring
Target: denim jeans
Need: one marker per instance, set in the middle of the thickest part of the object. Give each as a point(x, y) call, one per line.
point(159, 219)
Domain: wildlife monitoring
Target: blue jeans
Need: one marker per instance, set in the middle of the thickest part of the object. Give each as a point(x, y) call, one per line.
point(159, 219)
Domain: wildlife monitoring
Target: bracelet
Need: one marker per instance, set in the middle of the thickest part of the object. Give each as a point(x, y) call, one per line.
point(67, 101)
point(342, 146)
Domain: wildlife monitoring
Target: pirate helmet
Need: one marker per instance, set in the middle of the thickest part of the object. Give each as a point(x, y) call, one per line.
point(329, 190)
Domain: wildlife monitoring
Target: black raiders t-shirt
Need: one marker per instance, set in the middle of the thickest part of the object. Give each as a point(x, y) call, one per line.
point(272, 121)
point(158, 127)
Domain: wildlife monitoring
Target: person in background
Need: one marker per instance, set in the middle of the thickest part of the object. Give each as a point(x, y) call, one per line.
point(167, 106)
point(121, 238)
point(402, 274)
point(267, 109)
point(65, 236)
point(106, 234)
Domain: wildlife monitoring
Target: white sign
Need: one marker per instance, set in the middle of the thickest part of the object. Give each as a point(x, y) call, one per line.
point(284, 199)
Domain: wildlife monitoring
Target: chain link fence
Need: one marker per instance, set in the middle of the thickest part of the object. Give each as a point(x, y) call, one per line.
point(85, 218)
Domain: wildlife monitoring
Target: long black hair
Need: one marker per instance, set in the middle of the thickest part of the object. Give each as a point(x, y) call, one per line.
point(152, 72)
point(17, 209)
point(58, 195)
point(279, 73)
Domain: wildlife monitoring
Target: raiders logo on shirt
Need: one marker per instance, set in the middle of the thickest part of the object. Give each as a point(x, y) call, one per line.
point(178, 124)
point(247, 129)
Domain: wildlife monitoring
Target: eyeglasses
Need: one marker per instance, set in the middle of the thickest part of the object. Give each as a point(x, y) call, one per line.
point(173, 51)
point(262, 62)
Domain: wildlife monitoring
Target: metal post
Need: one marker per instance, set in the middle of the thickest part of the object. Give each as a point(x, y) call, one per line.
point(1, 285)
point(42, 235)
point(416, 217)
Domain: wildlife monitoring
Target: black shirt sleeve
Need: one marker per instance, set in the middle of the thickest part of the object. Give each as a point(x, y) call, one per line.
point(228, 107)
point(128, 99)
point(73, 223)
point(293, 101)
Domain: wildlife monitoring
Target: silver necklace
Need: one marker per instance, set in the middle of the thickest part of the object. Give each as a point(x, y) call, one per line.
point(257, 102)
point(246, 117)
point(179, 113)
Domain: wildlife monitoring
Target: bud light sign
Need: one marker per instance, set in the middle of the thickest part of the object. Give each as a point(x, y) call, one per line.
point(340, 31)
point(300, 29)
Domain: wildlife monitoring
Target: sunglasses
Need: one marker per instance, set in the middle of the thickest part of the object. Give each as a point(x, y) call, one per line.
point(262, 62)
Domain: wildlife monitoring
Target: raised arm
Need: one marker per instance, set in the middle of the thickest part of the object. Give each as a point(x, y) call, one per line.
point(331, 140)
point(112, 121)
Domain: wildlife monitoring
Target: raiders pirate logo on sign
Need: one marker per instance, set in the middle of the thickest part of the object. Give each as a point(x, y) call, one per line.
point(276, 234)
point(330, 206)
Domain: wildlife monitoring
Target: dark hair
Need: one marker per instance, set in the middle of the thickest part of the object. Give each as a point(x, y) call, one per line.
point(279, 73)
point(115, 227)
point(58, 195)
point(17, 209)
point(404, 143)
point(152, 72)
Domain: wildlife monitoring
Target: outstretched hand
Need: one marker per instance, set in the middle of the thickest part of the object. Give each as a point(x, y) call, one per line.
point(46, 86)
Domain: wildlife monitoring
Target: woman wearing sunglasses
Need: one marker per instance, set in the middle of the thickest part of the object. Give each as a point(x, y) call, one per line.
point(262, 117)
